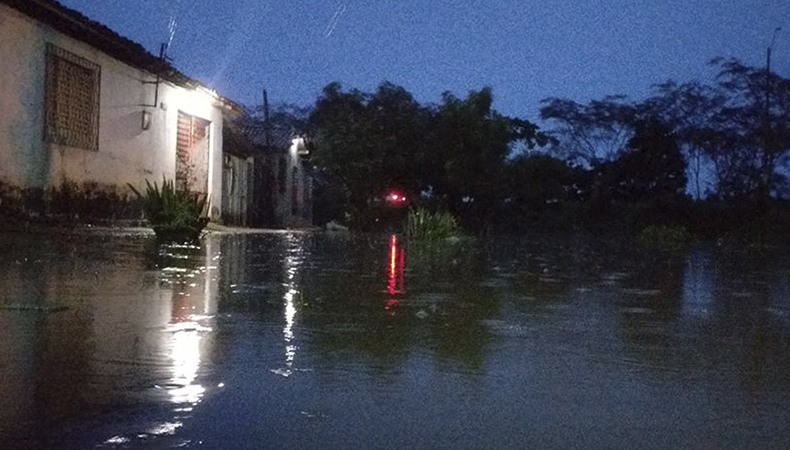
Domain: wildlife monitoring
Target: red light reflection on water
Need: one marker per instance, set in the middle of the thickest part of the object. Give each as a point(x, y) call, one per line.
point(397, 262)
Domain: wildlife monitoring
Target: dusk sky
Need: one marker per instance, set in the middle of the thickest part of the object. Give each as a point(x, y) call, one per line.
point(525, 50)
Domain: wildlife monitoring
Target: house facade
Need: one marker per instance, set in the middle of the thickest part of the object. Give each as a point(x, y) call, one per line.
point(282, 185)
point(293, 204)
point(84, 108)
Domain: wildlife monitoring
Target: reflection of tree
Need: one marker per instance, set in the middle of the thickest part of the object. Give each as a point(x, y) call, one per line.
point(459, 334)
point(649, 301)
point(355, 315)
point(751, 316)
point(383, 342)
point(727, 327)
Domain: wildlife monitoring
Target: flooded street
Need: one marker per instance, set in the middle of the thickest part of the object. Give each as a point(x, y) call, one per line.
point(300, 340)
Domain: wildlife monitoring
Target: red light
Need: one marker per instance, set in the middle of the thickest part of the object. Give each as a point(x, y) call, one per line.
point(391, 303)
point(396, 197)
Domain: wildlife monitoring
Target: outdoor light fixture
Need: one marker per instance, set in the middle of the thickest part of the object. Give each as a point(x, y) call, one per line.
point(146, 122)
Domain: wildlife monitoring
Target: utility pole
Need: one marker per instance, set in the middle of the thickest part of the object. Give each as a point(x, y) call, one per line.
point(266, 124)
point(767, 115)
point(768, 70)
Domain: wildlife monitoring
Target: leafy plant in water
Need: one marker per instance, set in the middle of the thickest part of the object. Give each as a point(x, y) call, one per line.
point(671, 238)
point(172, 213)
point(426, 225)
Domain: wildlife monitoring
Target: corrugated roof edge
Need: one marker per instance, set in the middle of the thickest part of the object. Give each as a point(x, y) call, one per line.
point(78, 26)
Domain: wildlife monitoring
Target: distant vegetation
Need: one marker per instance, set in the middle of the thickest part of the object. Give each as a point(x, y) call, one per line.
point(422, 224)
point(707, 158)
point(665, 237)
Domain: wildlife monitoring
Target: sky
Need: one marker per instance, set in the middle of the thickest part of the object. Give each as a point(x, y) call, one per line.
point(524, 50)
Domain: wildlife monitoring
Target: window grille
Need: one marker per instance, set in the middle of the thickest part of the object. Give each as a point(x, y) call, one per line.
point(72, 100)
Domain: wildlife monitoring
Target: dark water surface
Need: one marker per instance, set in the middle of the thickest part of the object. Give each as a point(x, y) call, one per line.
point(290, 340)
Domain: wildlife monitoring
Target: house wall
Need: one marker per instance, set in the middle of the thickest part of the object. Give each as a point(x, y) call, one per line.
point(293, 208)
point(237, 189)
point(126, 153)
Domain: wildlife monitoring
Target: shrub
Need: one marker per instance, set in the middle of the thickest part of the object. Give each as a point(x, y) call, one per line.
point(665, 237)
point(173, 214)
point(423, 224)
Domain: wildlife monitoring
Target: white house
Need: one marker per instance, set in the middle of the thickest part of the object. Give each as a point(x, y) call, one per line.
point(84, 106)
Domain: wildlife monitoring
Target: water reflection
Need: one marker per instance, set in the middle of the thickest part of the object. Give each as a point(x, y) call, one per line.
point(698, 284)
point(109, 321)
point(539, 343)
point(397, 255)
point(294, 258)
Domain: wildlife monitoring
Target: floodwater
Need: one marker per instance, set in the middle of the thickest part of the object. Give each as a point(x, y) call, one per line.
point(313, 340)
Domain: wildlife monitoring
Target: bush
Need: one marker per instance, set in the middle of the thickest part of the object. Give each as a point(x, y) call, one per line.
point(423, 224)
point(173, 214)
point(665, 237)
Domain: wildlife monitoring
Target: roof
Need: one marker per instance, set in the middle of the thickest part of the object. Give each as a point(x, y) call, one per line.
point(279, 137)
point(99, 36)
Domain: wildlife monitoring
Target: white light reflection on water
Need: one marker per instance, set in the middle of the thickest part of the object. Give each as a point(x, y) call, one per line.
point(185, 354)
point(698, 285)
point(164, 428)
point(293, 260)
point(183, 339)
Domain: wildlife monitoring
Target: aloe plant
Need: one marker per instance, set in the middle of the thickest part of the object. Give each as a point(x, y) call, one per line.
point(172, 213)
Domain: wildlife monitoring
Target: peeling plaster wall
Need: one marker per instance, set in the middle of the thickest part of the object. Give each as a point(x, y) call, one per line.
point(126, 153)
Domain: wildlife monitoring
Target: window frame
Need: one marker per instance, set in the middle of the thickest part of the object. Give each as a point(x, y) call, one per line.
point(59, 127)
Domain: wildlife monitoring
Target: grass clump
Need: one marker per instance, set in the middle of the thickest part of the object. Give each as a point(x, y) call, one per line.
point(423, 224)
point(671, 238)
point(173, 214)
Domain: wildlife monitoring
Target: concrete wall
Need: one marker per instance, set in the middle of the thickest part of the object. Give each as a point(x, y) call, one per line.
point(126, 153)
point(288, 214)
point(237, 190)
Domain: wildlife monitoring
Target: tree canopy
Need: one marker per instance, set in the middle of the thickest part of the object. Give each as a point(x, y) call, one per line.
point(728, 139)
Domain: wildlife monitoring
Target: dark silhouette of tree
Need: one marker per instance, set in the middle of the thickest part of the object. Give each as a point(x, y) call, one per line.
point(688, 110)
point(473, 141)
point(591, 133)
point(370, 143)
point(538, 180)
point(652, 168)
point(740, 124)
point(754, 125)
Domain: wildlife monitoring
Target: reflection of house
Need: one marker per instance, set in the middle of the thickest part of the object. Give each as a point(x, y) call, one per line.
point(275, 184)
point(84, 106)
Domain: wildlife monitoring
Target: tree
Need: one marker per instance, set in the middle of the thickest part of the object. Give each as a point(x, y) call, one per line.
point(370, 143)
point(537, 180)
point(740, 124)
point(473, 141)
point(688, 110)
point(653, 167)
point(755, 127)
point(590, 133)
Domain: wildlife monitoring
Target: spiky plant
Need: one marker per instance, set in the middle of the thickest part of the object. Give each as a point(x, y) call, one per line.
point(426, 225)
point(172, 213)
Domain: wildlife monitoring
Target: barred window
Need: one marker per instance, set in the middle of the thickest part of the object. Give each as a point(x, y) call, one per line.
point(72, 100)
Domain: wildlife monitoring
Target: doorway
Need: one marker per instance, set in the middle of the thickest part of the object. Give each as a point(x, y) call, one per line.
point(192, 148)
